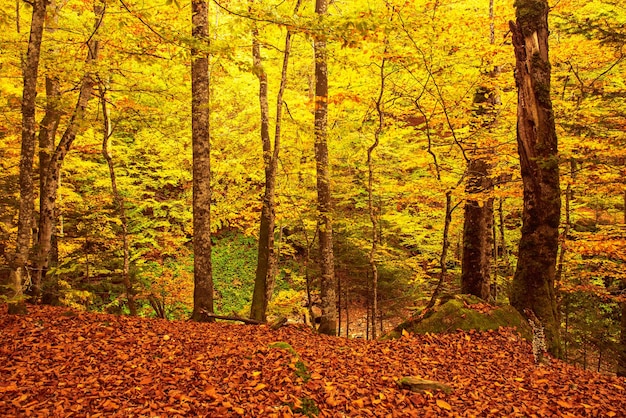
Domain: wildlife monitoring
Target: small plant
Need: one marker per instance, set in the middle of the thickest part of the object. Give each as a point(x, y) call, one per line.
point(307, 407)
point(302, 372)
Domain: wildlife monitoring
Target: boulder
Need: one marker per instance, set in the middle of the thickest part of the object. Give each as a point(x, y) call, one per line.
point(464, 312)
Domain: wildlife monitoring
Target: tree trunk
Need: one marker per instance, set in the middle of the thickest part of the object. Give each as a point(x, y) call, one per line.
point(328, 324)
point(533, 283)
point(621, 362)
point(266, 261)
point(477, 233)
point(47, 134)
point(203, 271)
point(478, 236)
point(504, 250)
point(19, 276)
point(51, 183)
point(118, 199)
point(445, 245)
point(373, 213)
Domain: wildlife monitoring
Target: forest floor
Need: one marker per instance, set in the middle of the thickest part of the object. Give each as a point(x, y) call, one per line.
point(61, 363)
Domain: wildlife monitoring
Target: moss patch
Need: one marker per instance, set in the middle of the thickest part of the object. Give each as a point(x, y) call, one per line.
point(466, 312)
point(300, 368)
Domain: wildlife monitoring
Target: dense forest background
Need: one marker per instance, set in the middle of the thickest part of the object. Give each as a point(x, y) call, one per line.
point(418, 90)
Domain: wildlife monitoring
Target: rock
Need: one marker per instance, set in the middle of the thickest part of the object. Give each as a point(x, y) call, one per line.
point(416, 384)
point(465, 312)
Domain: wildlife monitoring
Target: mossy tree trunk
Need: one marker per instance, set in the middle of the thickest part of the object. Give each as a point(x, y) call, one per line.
point(478, 225)
point(477, 233)
point(533, 283)
point(201, 145)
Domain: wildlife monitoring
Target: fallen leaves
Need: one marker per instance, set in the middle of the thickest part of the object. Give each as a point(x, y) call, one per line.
point(100, 365)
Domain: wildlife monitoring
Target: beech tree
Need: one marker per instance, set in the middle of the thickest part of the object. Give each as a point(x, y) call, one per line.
point(118, 199)
point(328, 320)
point(18, 263)
point(266, 261)
point(533, 283)
point(478, 234)
point(50, 183)
point(201, 144)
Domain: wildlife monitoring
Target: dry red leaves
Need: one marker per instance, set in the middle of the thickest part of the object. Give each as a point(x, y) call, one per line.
point(55, 363)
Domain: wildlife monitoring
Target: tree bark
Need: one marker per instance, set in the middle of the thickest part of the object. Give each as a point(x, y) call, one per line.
point(51, 183)
point(445, 245)
point(533, 283)
point(203, 269)
point(118, 200)
point(19, 276)
point(266, 260)
point(477, 233)
point(621, 362)
point(47, 134)
point(478, 228)
point(373, 213)
point(328, 320)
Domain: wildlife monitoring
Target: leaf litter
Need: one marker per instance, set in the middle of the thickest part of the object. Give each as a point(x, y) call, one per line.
point(55, 362)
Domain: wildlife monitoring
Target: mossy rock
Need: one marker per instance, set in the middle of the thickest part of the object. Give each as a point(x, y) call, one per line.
point(419, 385)
point(465, 312)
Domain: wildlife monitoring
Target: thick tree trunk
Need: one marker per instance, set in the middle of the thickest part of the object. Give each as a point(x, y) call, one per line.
point(51, 183)
point(533, 283)
point(203, 269)
point(118, 200)
point(18, 263)
point(477, 233)
point(478, 227)
point(328, 323)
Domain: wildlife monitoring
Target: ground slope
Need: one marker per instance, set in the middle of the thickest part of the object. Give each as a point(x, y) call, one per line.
point(55, 362)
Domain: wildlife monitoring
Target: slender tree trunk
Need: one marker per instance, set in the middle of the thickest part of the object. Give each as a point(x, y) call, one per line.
point(19, 276)
point(47, 134)
point(621, 362)
point(328, 324)
point(373, 213)
point(267, 261)
point(504, 252)
point(118, 199)
point(51, 183)
point(533, 283)
point(203, 269)
point(445, 245)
